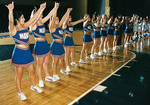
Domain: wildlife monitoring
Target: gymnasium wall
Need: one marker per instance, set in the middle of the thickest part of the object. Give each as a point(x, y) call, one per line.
point(26, 6)
point(96, 6)
point(128, 7)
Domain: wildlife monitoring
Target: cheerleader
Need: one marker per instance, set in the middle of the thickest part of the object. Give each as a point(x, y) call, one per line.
point(148, 30)
point(121, 28)
point(87, 39)
point(127, 32)
point(117, 32)
point(56, 47)
point(103, 33)
point(41, 48)
point(144, 29)
point(131, 29)
point(140, 29)
point(96, 35)
point(110, 32)
point(135, 28)
point(68, 41)
point(22, 56)
point(147, 27)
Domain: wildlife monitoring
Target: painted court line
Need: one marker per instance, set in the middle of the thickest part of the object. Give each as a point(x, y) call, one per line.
point(100, 88)
point(127, 66)
point(77, 99)
point(134, 60)
point(117, 75)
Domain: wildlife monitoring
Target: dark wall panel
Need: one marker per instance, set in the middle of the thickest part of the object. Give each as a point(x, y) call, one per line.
point(96, 6)
point(128, 7)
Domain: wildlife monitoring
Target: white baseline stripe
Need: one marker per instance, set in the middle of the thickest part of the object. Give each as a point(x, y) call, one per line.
point(100, 82)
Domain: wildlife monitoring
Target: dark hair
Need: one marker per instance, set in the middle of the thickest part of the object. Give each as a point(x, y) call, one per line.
point(17, 15)
point(86, 15)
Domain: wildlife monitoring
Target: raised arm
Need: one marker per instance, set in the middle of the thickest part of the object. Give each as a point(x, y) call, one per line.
point(64, 17)
point(36, 15)
point(77, 22)
point(93, 18)
point(52, 21)
point(102, 22)
point(50, 13)
point(132, 20)
point(122, 20)
point(11, 18)
point(109, 21)
point(32, 14)
point(85, 23)
point(66, 20)
point(93, 22)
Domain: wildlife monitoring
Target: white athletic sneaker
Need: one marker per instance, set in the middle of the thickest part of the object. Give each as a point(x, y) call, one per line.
point(121, 45)
point(130, 41)
point(114, 48)
point(92, 56)
point(73, 64)
point(105, 51)
point(128, 44)
point(109, 49)
point(22, 96)
point(50, 79)
point(81, 61)
point(56, 77)
point(88, 58)
point(96, 54)
point(100, 53)
point(125, 46)
point(65, 72)
point(35, 88)
point(41, 83)
point(68, 69)
point(118, 47)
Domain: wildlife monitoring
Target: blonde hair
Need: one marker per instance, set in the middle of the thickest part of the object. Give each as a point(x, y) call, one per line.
point(86, 15)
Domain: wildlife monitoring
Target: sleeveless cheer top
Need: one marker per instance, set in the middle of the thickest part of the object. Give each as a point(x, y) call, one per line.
point(21, 36)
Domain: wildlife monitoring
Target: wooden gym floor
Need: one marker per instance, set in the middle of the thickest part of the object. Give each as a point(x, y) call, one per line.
point(82, 79)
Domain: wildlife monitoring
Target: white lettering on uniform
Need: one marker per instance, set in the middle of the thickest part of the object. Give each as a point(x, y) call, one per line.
point(41, 30)
point(89, 27)
point(24, 35)
point(70, 29)
point(60, 32)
